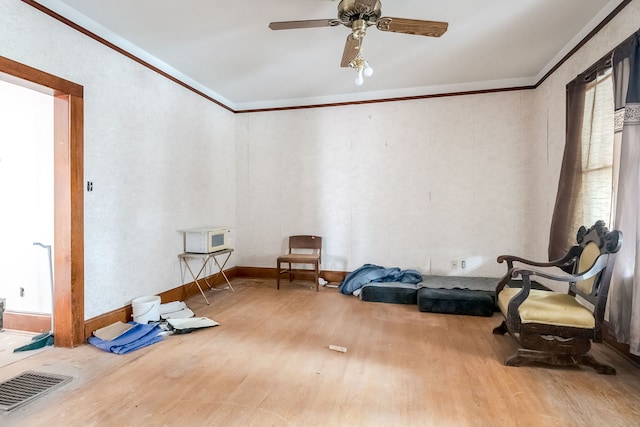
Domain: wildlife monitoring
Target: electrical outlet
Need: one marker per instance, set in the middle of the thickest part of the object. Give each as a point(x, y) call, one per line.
point(463, 264)
point(454, 264)
point(21, 292)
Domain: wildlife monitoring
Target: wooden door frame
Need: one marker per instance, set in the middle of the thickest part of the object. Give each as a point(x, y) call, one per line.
point(68, 152)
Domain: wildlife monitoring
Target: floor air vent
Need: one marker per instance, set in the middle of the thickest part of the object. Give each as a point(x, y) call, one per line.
point(28, 386)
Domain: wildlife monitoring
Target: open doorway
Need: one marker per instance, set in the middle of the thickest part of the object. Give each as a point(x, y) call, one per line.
point(26, 189)
point(68, 221)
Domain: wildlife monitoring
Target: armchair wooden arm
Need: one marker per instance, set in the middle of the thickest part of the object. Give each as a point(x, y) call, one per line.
point(566, 263)
point(596, 268)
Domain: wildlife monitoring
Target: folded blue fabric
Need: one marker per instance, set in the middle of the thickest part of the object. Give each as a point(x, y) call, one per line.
point(374, 273)
point(137, 337)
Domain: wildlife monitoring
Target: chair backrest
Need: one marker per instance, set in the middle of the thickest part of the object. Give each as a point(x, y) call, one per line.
point(305, 242)
point(596, 242)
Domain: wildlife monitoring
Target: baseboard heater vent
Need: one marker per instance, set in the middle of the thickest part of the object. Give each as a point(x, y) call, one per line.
point(28, 386)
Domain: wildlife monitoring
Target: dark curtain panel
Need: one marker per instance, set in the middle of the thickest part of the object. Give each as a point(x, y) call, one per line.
point(624, 294)
point(570, 182)
point(567, 217)
point(626, 72)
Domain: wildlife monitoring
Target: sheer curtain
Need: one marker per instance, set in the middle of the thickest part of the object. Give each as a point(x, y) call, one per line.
point(585, 184)
point(624, 294)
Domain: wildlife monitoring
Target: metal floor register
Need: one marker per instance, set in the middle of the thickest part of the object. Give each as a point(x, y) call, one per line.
point(28, 386)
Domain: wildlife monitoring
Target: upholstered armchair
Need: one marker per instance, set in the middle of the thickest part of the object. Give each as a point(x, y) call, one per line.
point(553, 327)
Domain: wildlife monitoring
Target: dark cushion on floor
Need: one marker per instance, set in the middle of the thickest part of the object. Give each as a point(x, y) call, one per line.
point(456, 301)
point(392, 292)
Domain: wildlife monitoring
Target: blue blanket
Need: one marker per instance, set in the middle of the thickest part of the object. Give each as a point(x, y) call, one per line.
point(137, 337)
point(374, 273)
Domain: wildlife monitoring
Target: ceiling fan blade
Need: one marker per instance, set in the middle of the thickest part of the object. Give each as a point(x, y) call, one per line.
point(412, 26)
point(311, 23)
point(351, 49)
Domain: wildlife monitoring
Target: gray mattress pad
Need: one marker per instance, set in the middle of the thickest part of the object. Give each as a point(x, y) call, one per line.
point(459, 282)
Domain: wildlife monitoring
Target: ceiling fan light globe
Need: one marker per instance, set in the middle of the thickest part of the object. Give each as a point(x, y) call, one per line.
point(359, 79)
point(368, 71)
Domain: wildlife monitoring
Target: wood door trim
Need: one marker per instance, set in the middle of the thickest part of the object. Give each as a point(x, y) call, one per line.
point(68, 111)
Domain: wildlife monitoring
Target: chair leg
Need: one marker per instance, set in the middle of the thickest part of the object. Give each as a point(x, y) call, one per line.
point(317, 276)
point(601, 368)
point(290, 273)
point(278, 274)
point(524, 356)
point(501, 330)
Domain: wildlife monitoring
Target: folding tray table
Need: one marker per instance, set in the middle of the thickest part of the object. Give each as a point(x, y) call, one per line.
point(206, 260)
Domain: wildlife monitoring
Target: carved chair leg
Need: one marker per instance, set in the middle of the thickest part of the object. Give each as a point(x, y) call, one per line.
point(600, 368)
point(516, 360)
point(502, 329)
point(523, 356)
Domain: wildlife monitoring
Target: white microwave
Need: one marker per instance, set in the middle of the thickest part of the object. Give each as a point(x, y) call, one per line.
point(204, 240)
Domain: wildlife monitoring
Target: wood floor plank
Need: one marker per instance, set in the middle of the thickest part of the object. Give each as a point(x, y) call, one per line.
point(269, 364)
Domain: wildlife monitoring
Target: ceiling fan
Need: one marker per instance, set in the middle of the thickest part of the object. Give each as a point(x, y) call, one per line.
point(360, 15)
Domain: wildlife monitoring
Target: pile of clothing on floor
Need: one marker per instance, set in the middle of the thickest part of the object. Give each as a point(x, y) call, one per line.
point(122, 338)
point(369, 273)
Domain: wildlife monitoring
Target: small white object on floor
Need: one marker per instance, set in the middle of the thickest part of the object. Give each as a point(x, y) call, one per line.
point(322, 282)
point(338, 348)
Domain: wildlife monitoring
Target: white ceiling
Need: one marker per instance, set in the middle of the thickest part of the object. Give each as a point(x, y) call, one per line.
point(226, 50)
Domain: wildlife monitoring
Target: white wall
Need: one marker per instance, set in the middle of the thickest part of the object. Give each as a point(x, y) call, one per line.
point(161, 158)
point(412, 184)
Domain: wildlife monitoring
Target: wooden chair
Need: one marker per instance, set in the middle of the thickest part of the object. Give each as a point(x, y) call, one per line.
point(555, 328)
point(302, 250)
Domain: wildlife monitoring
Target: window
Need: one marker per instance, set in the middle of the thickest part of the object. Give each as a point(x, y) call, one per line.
point(597, 142)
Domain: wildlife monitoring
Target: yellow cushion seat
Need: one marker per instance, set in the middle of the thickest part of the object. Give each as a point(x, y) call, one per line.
point(549, 308)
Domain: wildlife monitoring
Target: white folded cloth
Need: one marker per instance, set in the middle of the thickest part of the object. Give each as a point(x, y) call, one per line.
point(170, 307)
point(185, 313)
point(195, 323)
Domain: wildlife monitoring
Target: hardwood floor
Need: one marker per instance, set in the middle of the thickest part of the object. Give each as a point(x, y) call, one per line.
point(268, 364)
point(10, 340)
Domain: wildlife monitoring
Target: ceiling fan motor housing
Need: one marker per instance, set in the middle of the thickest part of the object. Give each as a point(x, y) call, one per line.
point(354, 10)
